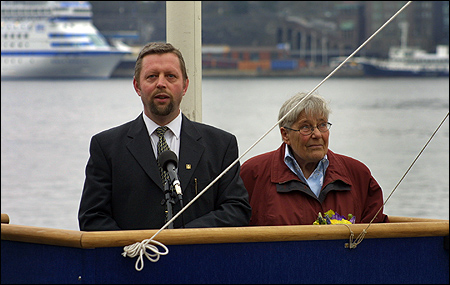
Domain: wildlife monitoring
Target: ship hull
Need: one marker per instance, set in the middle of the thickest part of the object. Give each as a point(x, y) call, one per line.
point(59, 64)
point(374, 70)
point(404, 251)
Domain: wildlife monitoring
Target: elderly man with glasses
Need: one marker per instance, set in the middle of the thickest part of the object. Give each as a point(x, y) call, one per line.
point(302, 178)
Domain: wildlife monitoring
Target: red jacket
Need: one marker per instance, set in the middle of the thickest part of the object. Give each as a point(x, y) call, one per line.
point(279, 197)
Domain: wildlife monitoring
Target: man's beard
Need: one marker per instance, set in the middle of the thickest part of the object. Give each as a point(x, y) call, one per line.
point(161, 111)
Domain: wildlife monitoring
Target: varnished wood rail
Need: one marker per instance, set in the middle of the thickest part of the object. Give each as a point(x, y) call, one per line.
point(398, 227)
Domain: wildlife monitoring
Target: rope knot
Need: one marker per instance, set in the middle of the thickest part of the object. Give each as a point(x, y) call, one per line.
point(352, 244)
point(140, 248)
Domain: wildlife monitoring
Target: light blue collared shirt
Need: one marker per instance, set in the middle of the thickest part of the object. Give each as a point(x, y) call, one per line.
point(172, 135)
point(315, 180)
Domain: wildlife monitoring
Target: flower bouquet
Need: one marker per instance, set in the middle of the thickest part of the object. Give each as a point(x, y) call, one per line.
point(332, 218)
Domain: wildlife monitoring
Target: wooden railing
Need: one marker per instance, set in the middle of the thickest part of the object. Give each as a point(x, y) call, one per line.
point(398, 227)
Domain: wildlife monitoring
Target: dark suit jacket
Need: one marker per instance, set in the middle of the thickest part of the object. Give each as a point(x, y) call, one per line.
point(123, 188)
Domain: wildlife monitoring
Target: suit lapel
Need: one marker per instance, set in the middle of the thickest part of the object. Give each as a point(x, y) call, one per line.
point(191, 150)
point(141, 148)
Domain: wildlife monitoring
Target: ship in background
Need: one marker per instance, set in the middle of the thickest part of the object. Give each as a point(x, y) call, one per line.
point(51, 39)
point(408, 61)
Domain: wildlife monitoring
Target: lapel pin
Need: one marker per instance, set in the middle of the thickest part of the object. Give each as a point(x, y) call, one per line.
point(188, 166)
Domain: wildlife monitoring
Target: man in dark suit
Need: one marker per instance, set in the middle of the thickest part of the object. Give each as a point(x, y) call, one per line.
point(123, 189)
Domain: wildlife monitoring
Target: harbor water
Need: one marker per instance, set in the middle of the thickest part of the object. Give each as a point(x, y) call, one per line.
point(46, 126)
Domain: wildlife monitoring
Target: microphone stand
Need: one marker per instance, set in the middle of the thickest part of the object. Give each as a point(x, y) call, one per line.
point(180, 198)
point(168, 161)
point(169, 202)
point(172, 198)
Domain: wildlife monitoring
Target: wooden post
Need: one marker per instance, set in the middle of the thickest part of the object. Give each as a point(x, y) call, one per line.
point(183, 22)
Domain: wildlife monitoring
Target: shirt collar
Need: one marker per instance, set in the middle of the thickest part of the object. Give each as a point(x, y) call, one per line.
point(174, 126)
point(290, 161)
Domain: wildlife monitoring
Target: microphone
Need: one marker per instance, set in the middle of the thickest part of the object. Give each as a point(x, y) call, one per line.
point(169, 162)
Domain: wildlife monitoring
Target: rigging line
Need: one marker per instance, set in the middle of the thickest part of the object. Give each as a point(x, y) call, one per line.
point(409, 168)
point(265, 134)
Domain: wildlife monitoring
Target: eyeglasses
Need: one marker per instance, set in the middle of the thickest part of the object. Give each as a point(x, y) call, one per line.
point(306, 130)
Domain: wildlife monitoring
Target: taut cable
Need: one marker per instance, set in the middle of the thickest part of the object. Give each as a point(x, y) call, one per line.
point(143, 244)
point(362, 234)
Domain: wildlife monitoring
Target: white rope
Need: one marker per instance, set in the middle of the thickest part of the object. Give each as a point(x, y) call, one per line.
point(141, 248)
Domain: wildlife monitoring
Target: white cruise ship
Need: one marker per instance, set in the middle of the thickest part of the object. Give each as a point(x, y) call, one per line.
point(50, 39)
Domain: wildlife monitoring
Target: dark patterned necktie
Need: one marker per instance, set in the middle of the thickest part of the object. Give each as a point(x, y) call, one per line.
point(162, 146)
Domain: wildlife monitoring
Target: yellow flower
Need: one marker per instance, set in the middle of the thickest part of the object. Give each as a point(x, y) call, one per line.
point(333, 222)
point(332, 218)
